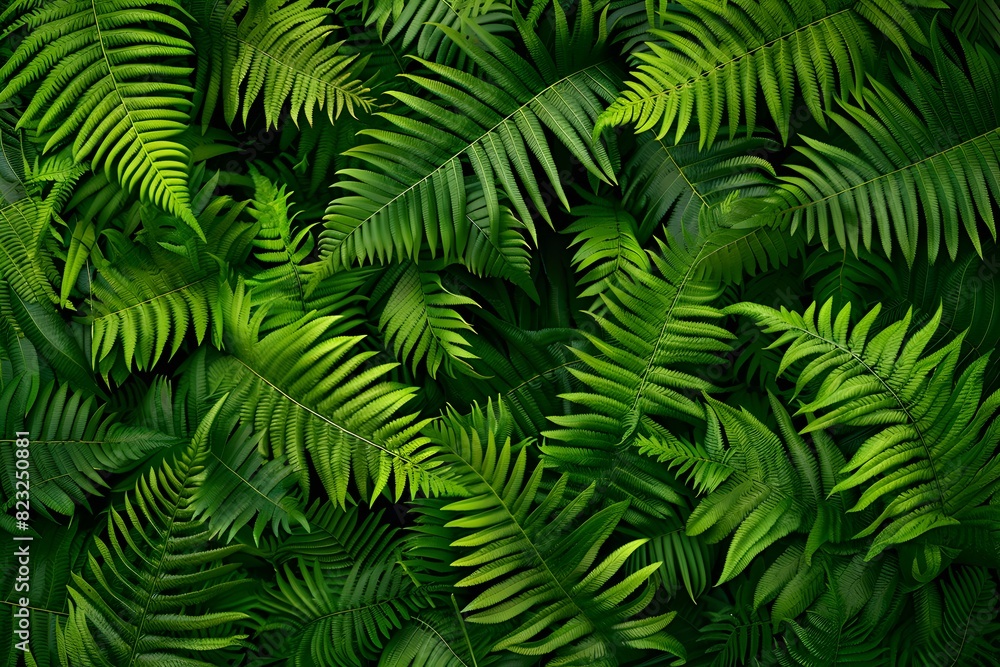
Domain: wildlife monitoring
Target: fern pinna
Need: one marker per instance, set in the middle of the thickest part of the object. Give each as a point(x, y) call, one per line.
point(468, 333)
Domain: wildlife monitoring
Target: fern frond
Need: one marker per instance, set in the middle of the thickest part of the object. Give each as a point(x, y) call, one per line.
point(241, 485)
point(311, 392)
point(921, 168)
point(335, 537)
point(657, 336)
point(431, 639)
point(706, 464)
point(607, 235)
point(65, 552)
point(717, 55)
point(74, 438)
point(50, 339)
point(863, 280)
point(527, 369)
point(105, 80)
point(762, 500)
point(493, 125)
point(685, 561)
point(673, 186)
point(961, 629)
point(149, 296)
point(319, 152)
point(967, 291)
point(420, 321)
point(277, 51)
point(342, 617)
point(286, 277)
point(415, 24)
point(136, 602)
point(978, 20)
point(830, 636)
point(279, 247)
point(536, 558)
point(735, 241)
point(501, 252)
point(932, 454)
point(442, 638)
point(736, 632)
point(16, 157)
point(24, 264)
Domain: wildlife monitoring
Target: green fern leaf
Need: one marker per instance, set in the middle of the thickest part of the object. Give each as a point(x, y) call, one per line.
point(419, 320)
point(240, 485)
point(720, 55)
point(336, 537)
point(73, 440)
point(685, 561)
point(658, 334)
point(537, 560)
point(431, 640)
point(93, 61)
point(415, 24)
point(932, 433)
point(64, 553)
point(16, 156)
point(920, 165)
point(362, 608)
point(527, 369)
point(278, 52)
point(607, 236)
point(149, 296)
point(978, 20)
point(50, 337)
point(284, 277)
point(759, 502)
point(958, 632)
point(310, 392)
point(717, 55)
point(675, 186)
point(134, 605)
point(493, 125)
point(24, 264)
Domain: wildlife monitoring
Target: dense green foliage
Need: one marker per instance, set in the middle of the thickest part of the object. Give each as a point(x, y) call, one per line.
point(629, 333)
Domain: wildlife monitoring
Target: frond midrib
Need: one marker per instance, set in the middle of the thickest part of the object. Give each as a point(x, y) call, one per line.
point(542, 374)
point(680, 170)
point(246, 482)
point(489, 237)
point(353, 610)
point(12, 258)
point(705, 256)
point(425, 315)
point(965, 635)
point(667, 319)
point(38, 609)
